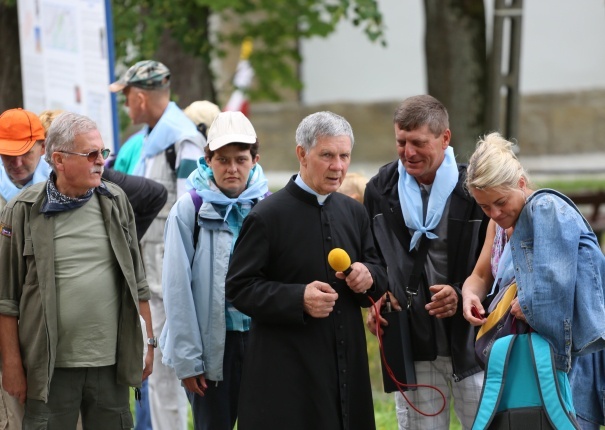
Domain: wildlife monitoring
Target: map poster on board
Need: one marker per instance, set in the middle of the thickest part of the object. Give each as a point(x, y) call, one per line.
point(66, 59)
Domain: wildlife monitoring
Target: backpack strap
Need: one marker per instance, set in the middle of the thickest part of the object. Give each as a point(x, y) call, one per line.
point(493, 382)
point(565, 199)
point(556, 409)
point(197, 203)
point(170, 154)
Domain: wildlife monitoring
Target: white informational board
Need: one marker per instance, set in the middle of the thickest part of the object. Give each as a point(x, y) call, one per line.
point(67, 59)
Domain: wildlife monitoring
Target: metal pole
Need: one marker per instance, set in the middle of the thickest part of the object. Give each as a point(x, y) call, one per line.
point(505, 83)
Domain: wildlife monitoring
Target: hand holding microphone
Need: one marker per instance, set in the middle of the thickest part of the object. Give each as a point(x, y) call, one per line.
point(358, 277)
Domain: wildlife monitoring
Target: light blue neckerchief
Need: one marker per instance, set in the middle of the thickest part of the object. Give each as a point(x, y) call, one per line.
point(410, 199)
point(172, 127)
point(202, 179)
point(8, 189)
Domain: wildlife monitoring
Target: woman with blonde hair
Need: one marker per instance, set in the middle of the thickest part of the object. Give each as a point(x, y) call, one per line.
point(540, 241)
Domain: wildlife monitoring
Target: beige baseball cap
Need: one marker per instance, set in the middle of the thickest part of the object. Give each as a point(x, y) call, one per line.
point(230, 127)
point(202, 112)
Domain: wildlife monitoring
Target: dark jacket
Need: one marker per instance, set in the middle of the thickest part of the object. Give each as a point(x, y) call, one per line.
point(147, 197)
point(301, 372)
point(466, 226)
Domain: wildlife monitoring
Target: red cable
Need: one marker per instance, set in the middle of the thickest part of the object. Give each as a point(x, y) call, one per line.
point(401, 385)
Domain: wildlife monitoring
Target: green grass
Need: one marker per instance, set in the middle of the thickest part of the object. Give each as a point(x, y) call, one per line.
point(573, 185)
point(384, 411)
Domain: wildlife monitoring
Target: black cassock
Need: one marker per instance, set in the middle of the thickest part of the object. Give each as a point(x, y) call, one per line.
point(302, 372)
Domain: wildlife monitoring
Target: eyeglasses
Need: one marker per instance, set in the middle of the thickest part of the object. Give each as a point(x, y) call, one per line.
point(92, 155)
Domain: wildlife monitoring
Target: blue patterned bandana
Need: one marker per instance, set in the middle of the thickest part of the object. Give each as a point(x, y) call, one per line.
point(58, 202)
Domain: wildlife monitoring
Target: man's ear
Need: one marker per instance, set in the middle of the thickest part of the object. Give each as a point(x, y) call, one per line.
point(256, 158)
point(142, 98)
point(301, 154)
point(58, 159)
point(447, 136)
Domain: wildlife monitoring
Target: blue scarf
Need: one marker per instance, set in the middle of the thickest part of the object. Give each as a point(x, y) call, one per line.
point(8, 189)
point(172, 127)
point(202, 179)
point(411, 200)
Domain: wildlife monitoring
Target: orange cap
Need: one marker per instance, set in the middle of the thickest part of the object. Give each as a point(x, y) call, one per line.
point(19, 131)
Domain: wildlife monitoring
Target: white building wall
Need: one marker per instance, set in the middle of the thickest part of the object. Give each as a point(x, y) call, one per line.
point(563, 49)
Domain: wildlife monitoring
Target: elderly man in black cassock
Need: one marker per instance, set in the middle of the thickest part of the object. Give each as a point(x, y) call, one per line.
point(306, 365)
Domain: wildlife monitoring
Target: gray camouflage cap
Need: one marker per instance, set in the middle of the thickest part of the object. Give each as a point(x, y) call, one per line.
point(147, 75)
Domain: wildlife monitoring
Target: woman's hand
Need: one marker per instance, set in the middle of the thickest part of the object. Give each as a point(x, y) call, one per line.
point(515, 309)
point(470, 301)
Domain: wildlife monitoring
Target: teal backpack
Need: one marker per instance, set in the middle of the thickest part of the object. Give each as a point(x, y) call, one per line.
point(522, 388)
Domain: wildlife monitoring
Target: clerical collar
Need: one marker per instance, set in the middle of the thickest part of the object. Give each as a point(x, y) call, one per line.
point(321, 198)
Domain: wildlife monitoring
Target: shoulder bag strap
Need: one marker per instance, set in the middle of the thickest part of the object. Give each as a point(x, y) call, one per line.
point(197, 203)
point(416, 275)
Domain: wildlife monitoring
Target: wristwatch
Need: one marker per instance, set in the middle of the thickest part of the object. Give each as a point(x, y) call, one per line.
point(152, 341)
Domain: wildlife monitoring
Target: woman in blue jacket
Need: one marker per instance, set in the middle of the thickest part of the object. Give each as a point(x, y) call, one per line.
point(205, 337)
point(539, 240)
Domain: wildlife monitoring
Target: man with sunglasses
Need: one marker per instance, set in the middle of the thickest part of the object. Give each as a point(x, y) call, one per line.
point(171, 148)
point(146, 197)
point(72, 289)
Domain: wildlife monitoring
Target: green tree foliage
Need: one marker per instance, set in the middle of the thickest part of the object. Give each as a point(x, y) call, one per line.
point(274, 26)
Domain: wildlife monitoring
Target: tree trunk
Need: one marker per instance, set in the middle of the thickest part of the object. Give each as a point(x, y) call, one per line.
point(10, 67)
point(190, 78)
point(457, 66)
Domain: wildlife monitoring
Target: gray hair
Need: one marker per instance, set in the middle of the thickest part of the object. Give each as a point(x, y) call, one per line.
point(494, 165)
point(63, 131)
point(322, 124)
point(415, 112)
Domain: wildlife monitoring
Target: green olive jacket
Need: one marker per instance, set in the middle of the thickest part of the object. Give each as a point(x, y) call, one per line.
point(28, 292)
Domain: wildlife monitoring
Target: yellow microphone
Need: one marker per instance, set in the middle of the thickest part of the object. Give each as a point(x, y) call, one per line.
point(339, 260)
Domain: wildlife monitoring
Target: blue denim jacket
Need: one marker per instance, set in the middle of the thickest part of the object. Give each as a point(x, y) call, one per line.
point(587, 380)
point(560, 273)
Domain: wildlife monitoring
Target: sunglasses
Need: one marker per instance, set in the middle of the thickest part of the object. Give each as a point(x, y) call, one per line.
point(92, 155)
